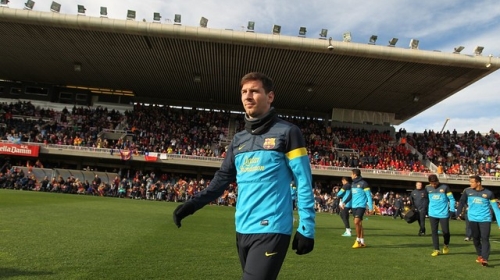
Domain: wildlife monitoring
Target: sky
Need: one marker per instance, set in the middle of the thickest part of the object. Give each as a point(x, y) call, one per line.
point(438, 25)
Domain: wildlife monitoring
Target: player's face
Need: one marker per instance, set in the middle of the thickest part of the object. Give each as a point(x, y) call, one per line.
point(473, 184)
point(255, 100)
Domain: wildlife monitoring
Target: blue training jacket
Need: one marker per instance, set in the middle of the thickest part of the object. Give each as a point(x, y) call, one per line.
point(441, 201)
point(345, 194)
point(361, 194)
point(264, 160)
point(479, 203)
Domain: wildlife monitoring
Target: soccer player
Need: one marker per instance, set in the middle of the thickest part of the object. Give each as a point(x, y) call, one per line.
point(345, 206)
point(263, 159)
point(479, 200)
point(420, 200)
point(361, 196)
point(441, 203)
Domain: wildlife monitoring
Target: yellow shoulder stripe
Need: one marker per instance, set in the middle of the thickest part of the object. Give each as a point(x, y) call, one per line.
point(299, 152)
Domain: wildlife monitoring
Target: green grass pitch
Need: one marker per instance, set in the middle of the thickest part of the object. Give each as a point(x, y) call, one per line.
point(60, 236)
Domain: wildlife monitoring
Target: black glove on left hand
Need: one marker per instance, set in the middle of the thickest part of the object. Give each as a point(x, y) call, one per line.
point(182, 211)
point(302, 244)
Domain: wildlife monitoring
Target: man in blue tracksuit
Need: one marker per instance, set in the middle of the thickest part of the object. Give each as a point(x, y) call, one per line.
point(361, 197)
point(346, 205)
point(263, 159)
point(441, 203)
point(480, 201)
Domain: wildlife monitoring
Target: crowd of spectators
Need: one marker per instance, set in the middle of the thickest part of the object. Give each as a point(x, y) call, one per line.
point(459, 154)
point(202, 133)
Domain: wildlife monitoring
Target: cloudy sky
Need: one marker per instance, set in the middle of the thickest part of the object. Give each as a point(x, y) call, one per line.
point(439, 25)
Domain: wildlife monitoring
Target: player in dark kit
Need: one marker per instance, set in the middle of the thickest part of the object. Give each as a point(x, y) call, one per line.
point(480, 201)
point(441, 203)
point(420, 200)
point(263, 159)
point(345, 207)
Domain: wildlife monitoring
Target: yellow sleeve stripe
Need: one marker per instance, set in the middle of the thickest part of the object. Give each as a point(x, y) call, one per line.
point(366, 189)
point(493, 200)
point(450, 193)
point(299, 152)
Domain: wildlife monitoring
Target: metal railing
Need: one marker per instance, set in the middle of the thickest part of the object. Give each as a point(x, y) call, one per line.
point(164, 156)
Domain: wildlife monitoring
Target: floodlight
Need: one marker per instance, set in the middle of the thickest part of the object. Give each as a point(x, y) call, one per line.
point(203, 22)
point(197, 78)
point(4, 3)
point(323, 34)
point(302, 31)
point(276, 29)
point(478, 50)
point(177, 19)
point(346, 37)
point(130, 15)
point(104, 12)
point(251, 26)
point(29, 5)
point(488, 65)
point(414, 44)
point(373, 39)
point(156, 17)
point(458, 49)
point(330, 46)
point(416, 98)
point(81, 9)
point(55, 7)
point(393, 42)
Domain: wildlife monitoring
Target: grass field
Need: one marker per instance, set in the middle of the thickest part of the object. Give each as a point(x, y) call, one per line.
point(60, 236)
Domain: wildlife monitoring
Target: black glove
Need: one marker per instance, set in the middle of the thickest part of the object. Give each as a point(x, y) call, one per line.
point(302, 244)
point(182, 211)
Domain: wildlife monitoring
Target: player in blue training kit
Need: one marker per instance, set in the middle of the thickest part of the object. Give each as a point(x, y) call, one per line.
point(479, 200)
point(345, 207)
point(263, 159)
point(441, 203)
point(361, 197)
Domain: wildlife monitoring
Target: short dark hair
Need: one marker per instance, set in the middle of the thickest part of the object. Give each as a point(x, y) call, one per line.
point(476, 178)
point(356, 172)
point(347, 179)
point(433, 178)
point(267, 83)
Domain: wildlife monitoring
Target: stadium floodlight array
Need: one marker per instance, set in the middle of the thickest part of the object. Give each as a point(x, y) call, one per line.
point(478, 50)
point(392, 42)
point(373, 39)
point(29, 5)
point(104, 12)
point(458, 49)
point(130, 15)
point(414, 44)
point(276, 29)
point(156, 17)
point(177, 19)
point(55, 7)
point(4, 3)
point(323, 34)
point(346, 37)
point(203, 22)
point(302, 31)
point(251, 26)
point(81, 9)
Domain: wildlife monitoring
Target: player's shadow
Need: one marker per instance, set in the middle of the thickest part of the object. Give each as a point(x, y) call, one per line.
point(12, 272)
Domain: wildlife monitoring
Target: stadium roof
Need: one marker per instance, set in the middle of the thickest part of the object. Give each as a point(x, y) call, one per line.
point(179, 65)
